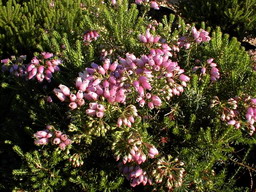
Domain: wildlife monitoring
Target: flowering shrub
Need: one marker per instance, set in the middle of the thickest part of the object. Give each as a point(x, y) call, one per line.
point(143, 106)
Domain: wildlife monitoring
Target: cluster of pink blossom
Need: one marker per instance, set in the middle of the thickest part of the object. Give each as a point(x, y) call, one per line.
point(230, 113)
point(149, 70)
point(130, 163)
point(64, 94)
point(90, 36)
point(98, 81)
point(42, 67)
point(153, 4)
point(135, 174)
point(113, 81)
point(57, 138)
point(149, 38)
point(137, 152)
point(201, 35)
point(95, 109)
point(42, 137)
point(239, 112)
point(214, 71)
point(61, 140)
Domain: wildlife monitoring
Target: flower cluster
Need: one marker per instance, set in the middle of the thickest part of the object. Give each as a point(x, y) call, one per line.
point(153, 4)
point(135, 174)
point(76, 160)
point(64, 94)
point(239, 112)
point(61, 140)
point(43, 66)
point(90, 36)
point(201, 35)
point(139, 151)
point(149, 78)
point(42, 137)
point(15, 66)
point(128, 116)
point(55, 137)
point(169, 172)
point(149, 38)
point(95, 109)
point(211, 66)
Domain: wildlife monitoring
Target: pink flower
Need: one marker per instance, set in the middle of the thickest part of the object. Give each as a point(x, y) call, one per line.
point(65, 90)
point(90, 112)
point(73, 105)
point(183, 77)
point(56, 141)
point(59, 94)
point(46, 55)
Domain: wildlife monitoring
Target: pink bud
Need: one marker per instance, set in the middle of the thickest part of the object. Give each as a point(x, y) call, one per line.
point(73, 105)
point(101, 70)
point(106, 64)
point(51, 68)
point(156, 101)
point(78, 82)
point(35, 61)
point(93, 95)
point(232, 122)
point(96, 82)
point(32, 73)
point(68, 142)
point(153, 151)
point(142, 38)
point(59, 94)
point(41, 69)
point(84, 85)
point(142, 102)
point(141, 91)
point(154, 5)
point(63, 137)
point(72, 97)
point(30, 67)
point(42, 141)
point(65, 90)
point(80, 102)
point(100, 114)
point(119, 122)
point(90, 112)
point(150, 105)
point(209, 61)
point(183, 77)
point(56, 141)
point(156, 39)
point(58, 133)
point(46, 55)
point(62, 146)
point(113, 66)
point(203, 70)
point(40, 134)
point(79, 94)
point(100, 107)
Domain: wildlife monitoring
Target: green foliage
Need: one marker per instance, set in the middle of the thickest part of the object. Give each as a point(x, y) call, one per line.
point(196, 148)
point(237, 18)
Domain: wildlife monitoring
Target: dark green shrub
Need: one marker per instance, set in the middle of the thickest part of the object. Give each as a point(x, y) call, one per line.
point(236, 17)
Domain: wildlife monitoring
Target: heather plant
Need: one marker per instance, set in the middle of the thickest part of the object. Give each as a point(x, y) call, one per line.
point(129, 104)
point(234, 17)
